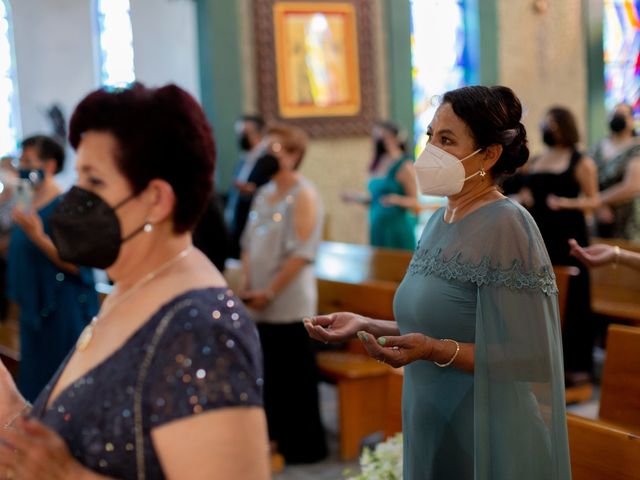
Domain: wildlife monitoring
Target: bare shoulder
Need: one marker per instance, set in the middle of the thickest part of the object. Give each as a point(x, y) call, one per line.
point(587, 163)
point(306, 198)
point(307, 192)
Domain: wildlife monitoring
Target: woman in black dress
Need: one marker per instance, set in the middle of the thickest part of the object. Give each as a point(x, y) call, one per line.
point(563, 171)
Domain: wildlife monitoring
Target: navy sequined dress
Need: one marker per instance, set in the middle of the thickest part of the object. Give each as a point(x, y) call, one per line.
point(198, 352)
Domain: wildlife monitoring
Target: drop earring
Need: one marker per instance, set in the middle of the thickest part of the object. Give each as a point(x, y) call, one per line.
point(482, 172)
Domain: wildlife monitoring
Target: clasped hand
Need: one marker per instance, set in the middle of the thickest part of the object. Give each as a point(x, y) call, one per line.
point(395, 351)
point(256, 299)
point(28, 449)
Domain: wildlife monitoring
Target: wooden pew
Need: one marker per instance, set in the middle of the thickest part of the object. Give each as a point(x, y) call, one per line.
point(372, 298)
point(601, 451)
point(359, 263)
point(620, 389)
point(609, 447)
point(578, 393)
point(360, 279)
point(615, 292)
point(563, 278)
point(362, 389)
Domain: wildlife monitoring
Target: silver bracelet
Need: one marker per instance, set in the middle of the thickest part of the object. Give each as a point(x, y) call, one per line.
point(442, 365)
point(27, 405)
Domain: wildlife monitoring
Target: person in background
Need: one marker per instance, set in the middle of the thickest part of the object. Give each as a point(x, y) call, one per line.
point(252, 171)
point(563, 171)
point(8, 178)
point(618, 160)
point(167, 381)
point(602, 254)
point(278, 284)
point(392, 195)
point(476, 316)
point(56, 298)
point(211, 234)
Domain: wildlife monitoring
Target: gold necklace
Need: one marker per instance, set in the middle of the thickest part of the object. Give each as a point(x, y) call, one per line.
point(87, 334)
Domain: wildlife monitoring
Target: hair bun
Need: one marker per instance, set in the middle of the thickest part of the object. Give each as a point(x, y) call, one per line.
point(493, 115)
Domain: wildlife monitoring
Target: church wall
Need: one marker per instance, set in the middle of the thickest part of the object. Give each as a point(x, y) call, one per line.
point(541, 56)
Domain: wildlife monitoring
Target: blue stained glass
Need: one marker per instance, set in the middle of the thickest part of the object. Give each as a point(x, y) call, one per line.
point(621, 36)
point(438, 57)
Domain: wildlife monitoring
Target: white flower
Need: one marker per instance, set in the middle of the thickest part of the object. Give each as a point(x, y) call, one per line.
point(383, 463)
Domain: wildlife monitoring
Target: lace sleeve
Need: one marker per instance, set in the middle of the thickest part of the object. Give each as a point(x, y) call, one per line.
point(209, 358)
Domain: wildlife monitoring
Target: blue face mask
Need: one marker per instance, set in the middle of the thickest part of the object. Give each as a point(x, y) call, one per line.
point(35, 176)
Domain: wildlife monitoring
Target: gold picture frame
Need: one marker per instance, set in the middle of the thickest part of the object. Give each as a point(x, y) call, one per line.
point(315, 65)
point(316, 50)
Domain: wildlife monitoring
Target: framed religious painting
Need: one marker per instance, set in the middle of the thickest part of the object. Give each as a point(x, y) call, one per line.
point(315, 65)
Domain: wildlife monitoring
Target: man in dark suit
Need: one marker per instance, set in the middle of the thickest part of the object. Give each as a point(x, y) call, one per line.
point(252, 171)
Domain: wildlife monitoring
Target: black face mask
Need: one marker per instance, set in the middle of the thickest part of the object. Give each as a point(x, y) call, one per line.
point(617, 123)
point(268, 164)
point(243, 143)
point(548, 137)
point(86, 231)
point(380, 148)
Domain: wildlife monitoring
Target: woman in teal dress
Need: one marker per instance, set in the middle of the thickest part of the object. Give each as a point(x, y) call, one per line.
point(56, 299)
point(392, 191)
point(477, 326)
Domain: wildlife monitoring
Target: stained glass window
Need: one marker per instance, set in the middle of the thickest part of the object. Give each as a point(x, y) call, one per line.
point(622, 53)
point(9, 118)
point(438, 57)
point(115, 40)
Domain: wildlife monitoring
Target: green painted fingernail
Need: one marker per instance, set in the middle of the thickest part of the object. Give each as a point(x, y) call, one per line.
point(363, 337)
point(382, 341)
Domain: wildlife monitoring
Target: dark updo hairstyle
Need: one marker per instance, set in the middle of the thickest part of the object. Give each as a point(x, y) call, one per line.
point(47, 149)
point(493, 115)
point(162, 133)
point(565, 131)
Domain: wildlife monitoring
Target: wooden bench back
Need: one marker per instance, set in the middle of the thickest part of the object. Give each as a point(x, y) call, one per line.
point(358, 263)
point(620, 394)
point(372, 299)
point(601, 451)
point(360, 279)
point(563, 277)
point(615, 291)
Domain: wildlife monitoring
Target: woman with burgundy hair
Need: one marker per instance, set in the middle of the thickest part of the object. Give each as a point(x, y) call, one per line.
point(166, 381)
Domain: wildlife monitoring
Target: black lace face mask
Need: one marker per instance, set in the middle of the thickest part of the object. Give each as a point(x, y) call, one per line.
point(86, 231)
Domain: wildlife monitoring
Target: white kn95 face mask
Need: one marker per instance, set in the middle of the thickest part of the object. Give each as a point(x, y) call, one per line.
point(441, 173)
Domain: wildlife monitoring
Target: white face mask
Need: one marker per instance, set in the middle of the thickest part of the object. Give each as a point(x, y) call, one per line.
point(440, 173)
